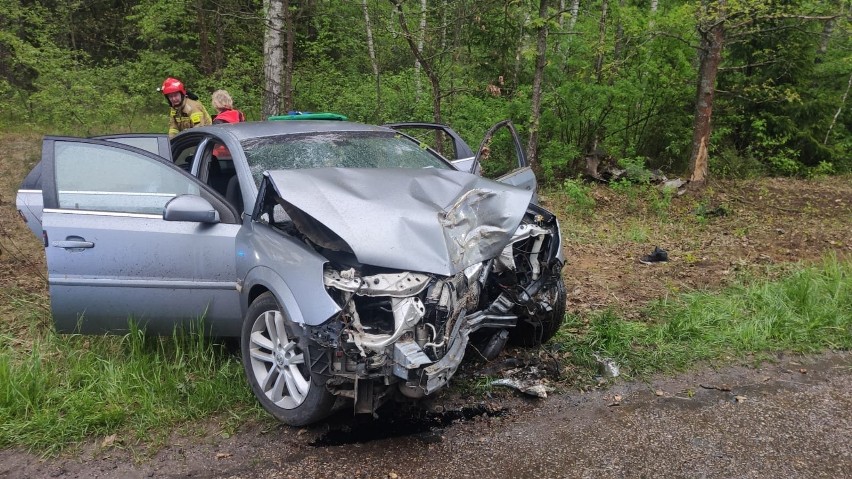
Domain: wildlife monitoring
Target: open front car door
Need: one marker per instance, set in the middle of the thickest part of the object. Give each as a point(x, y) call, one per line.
point(131, 237)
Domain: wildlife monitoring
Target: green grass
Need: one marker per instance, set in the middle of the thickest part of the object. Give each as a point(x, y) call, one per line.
point(807, 311)
point(62, 389)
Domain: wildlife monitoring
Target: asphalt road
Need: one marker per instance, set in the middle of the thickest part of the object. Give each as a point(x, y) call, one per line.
point(790, 419)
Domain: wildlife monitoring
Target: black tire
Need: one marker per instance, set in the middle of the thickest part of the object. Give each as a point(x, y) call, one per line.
point(276, 360)
point(537, 328)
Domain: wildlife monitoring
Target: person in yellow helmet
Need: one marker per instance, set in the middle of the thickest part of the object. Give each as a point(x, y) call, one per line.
point(185, 112)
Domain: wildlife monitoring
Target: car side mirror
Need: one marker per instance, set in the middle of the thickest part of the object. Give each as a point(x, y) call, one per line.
point(190, 208)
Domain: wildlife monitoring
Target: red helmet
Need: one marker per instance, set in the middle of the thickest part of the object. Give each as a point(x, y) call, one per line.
point(172, 85)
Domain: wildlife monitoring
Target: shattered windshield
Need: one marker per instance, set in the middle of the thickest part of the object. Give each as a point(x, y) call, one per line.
point(337, 150)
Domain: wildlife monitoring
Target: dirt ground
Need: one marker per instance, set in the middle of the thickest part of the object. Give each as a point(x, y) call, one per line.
point(786, 419)
point(731, 228)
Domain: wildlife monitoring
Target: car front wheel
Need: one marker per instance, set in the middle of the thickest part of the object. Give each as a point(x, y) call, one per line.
point(537, 325)
point(277, 363)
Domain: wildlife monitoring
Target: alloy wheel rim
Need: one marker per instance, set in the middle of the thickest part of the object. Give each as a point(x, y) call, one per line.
point(277, 362)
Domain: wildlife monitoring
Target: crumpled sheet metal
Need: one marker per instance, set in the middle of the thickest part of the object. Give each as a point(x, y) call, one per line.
point(532, 388)
point(427, 220)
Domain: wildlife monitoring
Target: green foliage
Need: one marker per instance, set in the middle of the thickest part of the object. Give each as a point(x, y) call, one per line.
point(772, 148)
point(556, 159)
point(660, 200)
point(579, 193)
point(162, 22)
point(808, 311)
point(824, 168)
point(88, 67)
point(635, 169)
point(631, 192)
point(728, 163)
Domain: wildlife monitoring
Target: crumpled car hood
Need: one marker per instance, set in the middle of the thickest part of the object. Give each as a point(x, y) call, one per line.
point(427, 220)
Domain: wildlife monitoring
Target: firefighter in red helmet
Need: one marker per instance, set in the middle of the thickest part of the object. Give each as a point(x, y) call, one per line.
point(185, 112)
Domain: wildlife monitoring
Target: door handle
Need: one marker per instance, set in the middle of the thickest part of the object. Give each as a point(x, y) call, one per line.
point(73, 244)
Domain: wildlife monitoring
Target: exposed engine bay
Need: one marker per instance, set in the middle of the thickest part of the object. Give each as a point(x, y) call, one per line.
point(451, 263)
point(407, 332)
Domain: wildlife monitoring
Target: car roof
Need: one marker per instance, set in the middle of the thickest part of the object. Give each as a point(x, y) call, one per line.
point(255, 129)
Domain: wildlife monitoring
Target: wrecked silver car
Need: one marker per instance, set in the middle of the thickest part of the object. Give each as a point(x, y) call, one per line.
point(351, 260)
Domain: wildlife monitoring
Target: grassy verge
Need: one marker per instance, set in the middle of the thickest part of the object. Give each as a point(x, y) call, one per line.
point(62, 389)
point(59, 390)
point(807, 311)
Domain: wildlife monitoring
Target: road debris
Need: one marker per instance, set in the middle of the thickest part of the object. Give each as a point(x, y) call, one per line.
point(721, 387)
point(109, 441)
point(531, 388)
point(659, 255)
point(607, 367)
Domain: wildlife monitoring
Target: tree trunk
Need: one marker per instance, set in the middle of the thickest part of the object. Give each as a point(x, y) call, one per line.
point(522, 40)
point(599, 57)
point(557, 45)
point(839, 109)
point(618, 50)
point(710, 55)
point(288, 66)
point(203, 39)
point(575, 9)
point(421, 34)
point(219, 47)
point(540, 61)
point(827, 30)
point(652, 22)
point(427, 67)
point(828, 25)
point(273, 57)
point(373, 61)
point(572, 22)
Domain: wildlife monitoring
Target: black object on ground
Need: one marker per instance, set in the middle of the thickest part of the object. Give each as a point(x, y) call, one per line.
point(656, 256)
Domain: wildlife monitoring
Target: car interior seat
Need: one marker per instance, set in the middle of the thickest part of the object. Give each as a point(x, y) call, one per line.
point(234, 194)
point(216, 178)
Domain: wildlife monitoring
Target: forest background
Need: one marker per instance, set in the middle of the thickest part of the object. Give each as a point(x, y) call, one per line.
point(632, 81)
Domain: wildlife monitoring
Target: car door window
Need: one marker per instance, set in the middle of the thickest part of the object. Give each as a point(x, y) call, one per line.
point(152, 142)
point(501, 157)
point(100, 178)
point(184, 157)
point(440, 138)
point(498, 155)
point(149, 143)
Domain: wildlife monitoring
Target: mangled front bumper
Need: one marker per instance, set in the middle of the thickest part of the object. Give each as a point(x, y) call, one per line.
point(419, 261)
point(412, 329)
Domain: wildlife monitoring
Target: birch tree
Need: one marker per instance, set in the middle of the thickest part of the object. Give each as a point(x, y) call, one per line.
point(273, 57)
point(426, 64)
point(371, 49)
point(290, 42)
point(421, 35)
